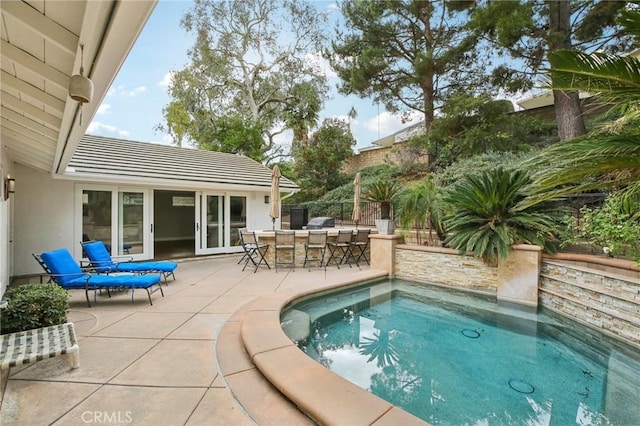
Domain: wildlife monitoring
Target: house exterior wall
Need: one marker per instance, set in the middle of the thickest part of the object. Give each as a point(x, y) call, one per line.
point(6, 209)
point(44, 217)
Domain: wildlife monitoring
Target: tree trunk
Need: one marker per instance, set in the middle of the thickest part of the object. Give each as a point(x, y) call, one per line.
point(568, 115)
point(567, 104)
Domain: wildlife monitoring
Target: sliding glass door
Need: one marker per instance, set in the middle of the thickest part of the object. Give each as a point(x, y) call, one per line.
point(218, 218)
point(119, 218)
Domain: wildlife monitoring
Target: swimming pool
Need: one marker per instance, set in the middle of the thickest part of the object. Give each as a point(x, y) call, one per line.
point(450, 357)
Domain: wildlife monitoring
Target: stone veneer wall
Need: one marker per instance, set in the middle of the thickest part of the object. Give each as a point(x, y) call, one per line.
point(371, 157)
point(606, 298)
point(437, 265)
point(607, 301)
point(397, 154)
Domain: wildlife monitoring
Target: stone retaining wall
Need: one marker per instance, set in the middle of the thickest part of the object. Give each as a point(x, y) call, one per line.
point(444, 266)
point(604, 300)
point(607, 298)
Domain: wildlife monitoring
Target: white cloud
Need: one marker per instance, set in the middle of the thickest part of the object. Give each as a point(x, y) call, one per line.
point(103, 109)
point(97, 127)
point(101, 129)
point(386, 123)
point(122, 90)
point(166, 80)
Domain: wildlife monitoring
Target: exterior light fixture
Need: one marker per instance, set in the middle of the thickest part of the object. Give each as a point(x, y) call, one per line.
point(81, 87)
point(9, 186)
point(267, 199)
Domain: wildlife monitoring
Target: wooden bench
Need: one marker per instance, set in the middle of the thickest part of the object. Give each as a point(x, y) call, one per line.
point(28, 346)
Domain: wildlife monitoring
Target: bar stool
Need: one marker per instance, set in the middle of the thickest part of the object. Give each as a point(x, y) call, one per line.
point(359, 246)
point(340, 249)
point(316, 240)
point(285, 241)
point(254, 250)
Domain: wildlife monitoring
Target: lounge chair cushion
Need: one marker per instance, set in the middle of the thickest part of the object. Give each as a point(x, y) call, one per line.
point(102, 262)
point(129, 281)
point(146, 266)
point(69, 275)
point(63, 265)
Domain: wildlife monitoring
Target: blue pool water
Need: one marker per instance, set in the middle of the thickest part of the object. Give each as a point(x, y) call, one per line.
point(453, 358)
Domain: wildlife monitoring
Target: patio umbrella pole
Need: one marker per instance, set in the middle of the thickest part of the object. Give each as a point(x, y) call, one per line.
point(357, 190)
point(274, 210)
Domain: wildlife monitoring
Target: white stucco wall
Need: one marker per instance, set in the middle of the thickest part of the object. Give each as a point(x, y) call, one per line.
point(258, 217)
point(43, 217)
point(6, 206)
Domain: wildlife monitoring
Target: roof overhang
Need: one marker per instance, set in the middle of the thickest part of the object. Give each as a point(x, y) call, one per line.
point(41, 125)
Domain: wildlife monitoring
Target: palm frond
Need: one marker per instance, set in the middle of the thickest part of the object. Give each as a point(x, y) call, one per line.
point(590, 163)
point(630, 20)
point(612, 78)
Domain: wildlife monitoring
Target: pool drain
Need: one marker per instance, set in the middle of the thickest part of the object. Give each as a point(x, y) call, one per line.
point(520, 386)
point(472, 334)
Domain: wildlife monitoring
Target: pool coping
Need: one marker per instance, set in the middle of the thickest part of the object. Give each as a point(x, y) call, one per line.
point(255, 342)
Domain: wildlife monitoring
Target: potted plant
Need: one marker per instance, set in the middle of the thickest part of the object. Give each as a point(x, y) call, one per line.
point(384, 193)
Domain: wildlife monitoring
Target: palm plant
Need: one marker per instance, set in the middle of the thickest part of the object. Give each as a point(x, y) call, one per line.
point(609, 157)
point(420, 206)
point(383, 192)
point(488, 216)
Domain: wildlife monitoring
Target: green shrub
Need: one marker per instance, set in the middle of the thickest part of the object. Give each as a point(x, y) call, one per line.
point(33, 306)
point(614, 227)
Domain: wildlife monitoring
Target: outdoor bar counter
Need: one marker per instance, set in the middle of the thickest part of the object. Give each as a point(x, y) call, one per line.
point(269, 237)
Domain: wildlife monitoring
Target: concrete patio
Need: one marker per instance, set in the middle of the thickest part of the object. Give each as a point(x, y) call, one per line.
point(158, 365)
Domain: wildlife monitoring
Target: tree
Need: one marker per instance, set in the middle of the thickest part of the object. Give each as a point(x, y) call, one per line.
point(608, 157)
point(420, 207)
point(472, 125)
point(527, 31)
point(488, 217)
point(319, 163)
point(249, 64)
point(408, 55)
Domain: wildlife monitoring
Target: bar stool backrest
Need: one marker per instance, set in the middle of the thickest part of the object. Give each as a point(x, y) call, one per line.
point(248, 238)
point(285, 238)
point(317, 239)
point(344, 236)
point(362, 236)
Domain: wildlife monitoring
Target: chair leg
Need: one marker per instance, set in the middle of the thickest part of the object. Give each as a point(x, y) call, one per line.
point(249, 256)
point(362, 255)
point(321, 252)
point(260, 254)
point(86, 293)
point(332, 255)
point(344, 259)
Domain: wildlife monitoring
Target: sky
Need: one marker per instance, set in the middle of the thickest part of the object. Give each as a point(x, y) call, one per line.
point(133, 105)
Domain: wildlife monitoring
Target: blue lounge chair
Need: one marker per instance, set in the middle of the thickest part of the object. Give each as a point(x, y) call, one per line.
point(64, 271)
point(101, 261)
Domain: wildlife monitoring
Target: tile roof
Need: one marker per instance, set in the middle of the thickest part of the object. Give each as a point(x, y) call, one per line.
point(119, 158)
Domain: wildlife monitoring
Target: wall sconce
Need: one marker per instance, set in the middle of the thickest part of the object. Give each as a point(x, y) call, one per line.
point(9, 186)
point(267, 199)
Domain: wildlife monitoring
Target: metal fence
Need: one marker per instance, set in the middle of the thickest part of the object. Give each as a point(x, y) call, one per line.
point(340, 211)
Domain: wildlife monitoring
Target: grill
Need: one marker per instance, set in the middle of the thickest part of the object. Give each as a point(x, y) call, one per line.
point(321, 222)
